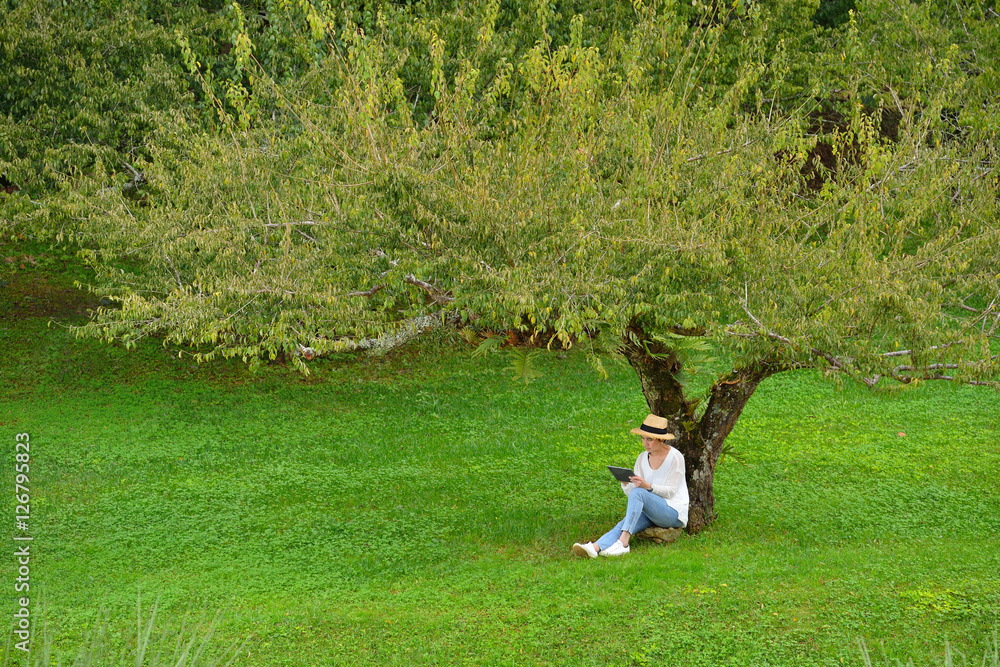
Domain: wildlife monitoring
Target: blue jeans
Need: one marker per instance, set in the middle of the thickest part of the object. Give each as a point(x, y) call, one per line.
point(645, 509)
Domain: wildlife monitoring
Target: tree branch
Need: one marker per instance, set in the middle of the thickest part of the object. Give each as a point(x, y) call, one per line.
point(372, 292)
point(272, 225)
point(138, 178)
point(407, 331)
point(896, 373)
point(441, 298)
point(830, 359)
point(717, 153)
point(903, 353)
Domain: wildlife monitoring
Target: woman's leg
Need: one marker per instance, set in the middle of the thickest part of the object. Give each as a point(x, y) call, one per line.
point(645, 509)
point(610, 537)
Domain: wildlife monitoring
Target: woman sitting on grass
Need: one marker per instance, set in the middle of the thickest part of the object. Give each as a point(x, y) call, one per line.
point(657, 494)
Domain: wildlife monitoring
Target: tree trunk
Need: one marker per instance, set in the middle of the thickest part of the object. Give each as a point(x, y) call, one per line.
point(700, 441)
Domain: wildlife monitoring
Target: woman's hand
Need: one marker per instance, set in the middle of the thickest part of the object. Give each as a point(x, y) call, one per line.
point(640, 483)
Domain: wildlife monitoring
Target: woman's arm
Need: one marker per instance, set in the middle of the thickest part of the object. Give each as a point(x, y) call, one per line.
point(637, 468)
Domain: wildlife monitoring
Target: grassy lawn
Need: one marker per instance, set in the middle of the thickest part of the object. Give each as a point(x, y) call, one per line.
point(419, 508)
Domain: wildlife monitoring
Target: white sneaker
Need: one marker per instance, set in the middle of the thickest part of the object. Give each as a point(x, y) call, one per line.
point(616, 549)
point(585, 550)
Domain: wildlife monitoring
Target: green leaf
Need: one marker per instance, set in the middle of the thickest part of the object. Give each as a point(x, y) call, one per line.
point(523, 367)
point(489, 344)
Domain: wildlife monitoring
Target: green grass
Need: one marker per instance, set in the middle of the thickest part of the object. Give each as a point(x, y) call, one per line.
point(419, 509)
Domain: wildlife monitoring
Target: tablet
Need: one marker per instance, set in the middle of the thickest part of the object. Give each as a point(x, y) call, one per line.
point(621, 474)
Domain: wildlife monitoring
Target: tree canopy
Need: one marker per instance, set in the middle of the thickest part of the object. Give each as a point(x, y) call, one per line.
point(649, 179)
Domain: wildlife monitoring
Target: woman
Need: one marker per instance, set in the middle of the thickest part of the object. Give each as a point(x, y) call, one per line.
point(657, 494)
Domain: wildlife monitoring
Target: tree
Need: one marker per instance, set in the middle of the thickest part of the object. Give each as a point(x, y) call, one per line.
point(83, 85)
point(619, 198)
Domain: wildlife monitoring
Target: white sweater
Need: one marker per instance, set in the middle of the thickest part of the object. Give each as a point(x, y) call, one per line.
point(668, 481)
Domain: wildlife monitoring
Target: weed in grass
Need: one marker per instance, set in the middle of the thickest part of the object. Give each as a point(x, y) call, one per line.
point(188, 642)
point(991, 656)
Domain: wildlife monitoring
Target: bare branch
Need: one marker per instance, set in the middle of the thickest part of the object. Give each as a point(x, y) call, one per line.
point(830, 359)
point(272, 225)
point(176, 273)
point(897, 373)
point(439, 297)
point(308, 237)
point(906, 379)
point(717, 153)
point(138, 178)
point(378, 252)
point(903, 353)
point(372, 292)
point(872, 381)
point(406, 331)
point(931, 367)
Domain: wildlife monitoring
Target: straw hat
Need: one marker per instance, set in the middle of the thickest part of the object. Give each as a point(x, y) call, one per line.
point(654, 427)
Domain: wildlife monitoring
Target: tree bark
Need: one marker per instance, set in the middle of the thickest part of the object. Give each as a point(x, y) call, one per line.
point(699, 440)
